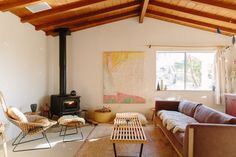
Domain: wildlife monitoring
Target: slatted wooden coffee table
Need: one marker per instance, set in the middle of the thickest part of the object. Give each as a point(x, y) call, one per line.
point(127, 130)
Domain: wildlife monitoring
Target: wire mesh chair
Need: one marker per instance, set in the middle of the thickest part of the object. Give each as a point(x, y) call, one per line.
point(36, 124)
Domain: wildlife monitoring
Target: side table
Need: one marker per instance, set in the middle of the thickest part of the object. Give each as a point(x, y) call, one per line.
point(153, 113)
point(32, 113)
point(2, 134)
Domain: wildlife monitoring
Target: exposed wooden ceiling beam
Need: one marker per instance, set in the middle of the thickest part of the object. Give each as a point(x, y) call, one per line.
point(74, 19)
point(220, 4)
point(104, 21)
point(187, 24)
point(59, 10)
point(170, 16)
point(20, 3)
point(143, 10)
point(100, 21)
point(192, 11)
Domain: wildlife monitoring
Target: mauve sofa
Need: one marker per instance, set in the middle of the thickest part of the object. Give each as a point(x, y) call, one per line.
point(213, 136)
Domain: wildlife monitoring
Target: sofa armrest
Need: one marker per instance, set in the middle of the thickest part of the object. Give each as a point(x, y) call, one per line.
point(166, 105)
point(210, 140)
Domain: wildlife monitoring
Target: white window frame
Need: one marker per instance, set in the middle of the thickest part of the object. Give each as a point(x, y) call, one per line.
point(185, 66)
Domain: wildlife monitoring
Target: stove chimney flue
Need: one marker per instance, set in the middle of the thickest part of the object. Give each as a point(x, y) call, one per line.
point(63, 103)
point(63, 32)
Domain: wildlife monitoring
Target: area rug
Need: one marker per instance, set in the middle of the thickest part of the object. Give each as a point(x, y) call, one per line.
point(98, 144)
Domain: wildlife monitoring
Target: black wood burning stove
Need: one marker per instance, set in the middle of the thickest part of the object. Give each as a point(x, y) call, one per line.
point(63, 104)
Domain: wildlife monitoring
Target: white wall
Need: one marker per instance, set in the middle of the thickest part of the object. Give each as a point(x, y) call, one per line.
point(23, 66)
point(85, 58)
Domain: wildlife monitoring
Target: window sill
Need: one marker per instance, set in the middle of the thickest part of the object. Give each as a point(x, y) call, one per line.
point(184, 90)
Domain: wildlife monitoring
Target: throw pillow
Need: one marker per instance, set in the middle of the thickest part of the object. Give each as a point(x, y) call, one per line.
point(188, 107)
point(16, 114)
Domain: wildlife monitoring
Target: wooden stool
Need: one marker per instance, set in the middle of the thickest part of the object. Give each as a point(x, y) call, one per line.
point(71, 121)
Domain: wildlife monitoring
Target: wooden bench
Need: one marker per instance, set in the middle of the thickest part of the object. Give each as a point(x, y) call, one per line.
point(127, 129)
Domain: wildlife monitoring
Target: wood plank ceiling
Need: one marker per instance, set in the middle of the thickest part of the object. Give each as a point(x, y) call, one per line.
point(211, 15)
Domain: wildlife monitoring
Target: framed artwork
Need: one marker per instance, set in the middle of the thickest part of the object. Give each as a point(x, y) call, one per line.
point(123, 77)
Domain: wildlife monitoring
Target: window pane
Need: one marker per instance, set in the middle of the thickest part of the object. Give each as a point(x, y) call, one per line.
point(199, 71)
point(170, 69)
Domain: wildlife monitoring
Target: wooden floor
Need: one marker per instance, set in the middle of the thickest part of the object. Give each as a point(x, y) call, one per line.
point(99, 144)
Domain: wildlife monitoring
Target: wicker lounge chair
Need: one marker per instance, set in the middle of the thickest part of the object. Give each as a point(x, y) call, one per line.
point(35, 124)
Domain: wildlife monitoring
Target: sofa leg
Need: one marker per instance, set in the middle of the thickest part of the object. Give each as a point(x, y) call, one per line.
point(190, 142)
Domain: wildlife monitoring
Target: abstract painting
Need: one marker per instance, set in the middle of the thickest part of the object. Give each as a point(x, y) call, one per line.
point(123, 76)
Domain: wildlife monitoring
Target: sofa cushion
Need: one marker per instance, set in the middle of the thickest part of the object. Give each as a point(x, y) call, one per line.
point(175, 121)
point(188, 107)
point(204, 114)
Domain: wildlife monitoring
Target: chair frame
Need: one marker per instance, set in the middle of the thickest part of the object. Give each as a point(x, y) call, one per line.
point(76, 126)
point(22, 135)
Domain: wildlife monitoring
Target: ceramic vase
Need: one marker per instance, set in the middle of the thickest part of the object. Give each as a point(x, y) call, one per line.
point(33, 107)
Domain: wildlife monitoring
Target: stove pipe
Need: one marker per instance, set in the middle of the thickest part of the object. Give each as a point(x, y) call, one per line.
point(62, 59)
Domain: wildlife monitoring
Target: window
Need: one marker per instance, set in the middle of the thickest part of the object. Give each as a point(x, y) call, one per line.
point(185, 70)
